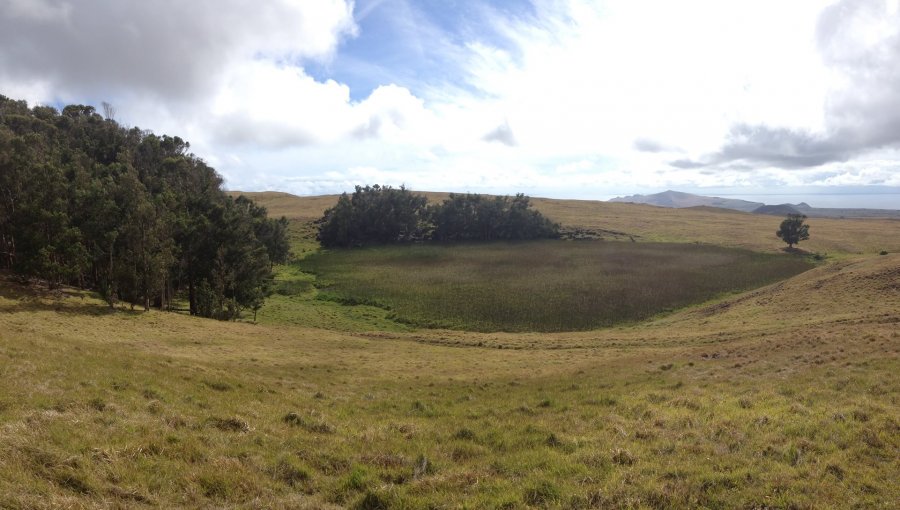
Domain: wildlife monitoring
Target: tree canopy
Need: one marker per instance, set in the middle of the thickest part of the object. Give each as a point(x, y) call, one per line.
point(373, 215)
point(793, 229)
point(382, 214)
point(473, 217)
point(133, 215)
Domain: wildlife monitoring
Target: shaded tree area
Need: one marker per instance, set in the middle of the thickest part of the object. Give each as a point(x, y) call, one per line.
point(383, 215)
point(130, 214)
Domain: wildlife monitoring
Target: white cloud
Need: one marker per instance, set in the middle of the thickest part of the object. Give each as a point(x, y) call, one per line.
point(582, 96)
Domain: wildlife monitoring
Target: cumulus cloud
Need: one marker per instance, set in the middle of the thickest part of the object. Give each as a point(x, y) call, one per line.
point(650, 145)
point(859, 41)
point(168, 48)
point(502, 134)
point(289, 94)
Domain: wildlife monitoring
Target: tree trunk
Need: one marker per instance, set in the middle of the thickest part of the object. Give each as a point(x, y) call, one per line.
point(192, 298)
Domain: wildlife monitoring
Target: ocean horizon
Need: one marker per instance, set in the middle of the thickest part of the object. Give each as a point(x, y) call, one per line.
point(826, 200)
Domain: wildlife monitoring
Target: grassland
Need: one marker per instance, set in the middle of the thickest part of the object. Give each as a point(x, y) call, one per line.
point(834, 237)
point(750, 402)
point(781, 397)
point(542, 285)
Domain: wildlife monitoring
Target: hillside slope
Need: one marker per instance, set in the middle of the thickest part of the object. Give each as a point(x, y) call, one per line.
point(833, 236)
point(783, 397)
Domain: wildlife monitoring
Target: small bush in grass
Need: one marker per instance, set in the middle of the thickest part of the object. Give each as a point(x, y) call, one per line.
point(69, 478)
point(553, 441)
point(151, 394)
point(422, 467)
point(466, 452)
point(229, 424)
point(421, 407)
point(214, 485)
point(464, 434)
point(883, 252)
point(318, 426)
point(622, 457)
point(375, 501)
point(291, 472)
point(835, 470)
point(218, 385)
point(357, 479)
point(860, 415)
point(793, 455)
point(542, 494)
point(603, 401)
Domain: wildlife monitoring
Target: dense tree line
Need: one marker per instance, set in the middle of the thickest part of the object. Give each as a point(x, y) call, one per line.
point(472, 217)
point(133, 215)
point(382, 215)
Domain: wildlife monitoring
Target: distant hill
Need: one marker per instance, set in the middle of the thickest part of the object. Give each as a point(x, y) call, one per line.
point(832, 212)
point(681, 200)
point(678, 199)
point(826, 212)
point(777, 210)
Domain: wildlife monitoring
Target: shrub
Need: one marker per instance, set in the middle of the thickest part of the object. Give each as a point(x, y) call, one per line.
point(373, 215)
point(479, 218)
point(291, 472)
point(383, 215)
point(465, 434)
point(542, 494)
point(622, 457)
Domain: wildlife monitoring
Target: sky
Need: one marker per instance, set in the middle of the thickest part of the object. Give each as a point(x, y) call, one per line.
point(555, 98)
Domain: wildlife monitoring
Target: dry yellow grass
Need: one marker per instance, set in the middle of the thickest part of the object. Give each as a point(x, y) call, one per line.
point(703, 224)
point(291, 206)
point(782, 397)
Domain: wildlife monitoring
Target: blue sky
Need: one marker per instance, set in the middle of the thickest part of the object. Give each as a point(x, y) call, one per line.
point(560, 98)
point(413, 44)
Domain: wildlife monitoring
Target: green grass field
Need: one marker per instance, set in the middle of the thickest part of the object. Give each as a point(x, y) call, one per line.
point(781, 397)
point(540, 286)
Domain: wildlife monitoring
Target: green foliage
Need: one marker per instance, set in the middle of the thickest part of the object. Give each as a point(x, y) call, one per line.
point(539, 285)
point(133, 215)
point(793, 230)
point(155, 426)
point(472, 217)
point(373, 215)
point(384, 215)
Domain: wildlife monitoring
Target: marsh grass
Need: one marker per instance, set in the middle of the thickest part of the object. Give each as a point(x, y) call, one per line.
point(539, 286)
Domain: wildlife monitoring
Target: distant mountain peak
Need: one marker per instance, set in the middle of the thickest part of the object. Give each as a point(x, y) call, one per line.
point(777, 210)
point(680, 199)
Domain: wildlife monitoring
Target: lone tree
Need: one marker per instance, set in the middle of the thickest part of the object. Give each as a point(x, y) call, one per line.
point(793, 230)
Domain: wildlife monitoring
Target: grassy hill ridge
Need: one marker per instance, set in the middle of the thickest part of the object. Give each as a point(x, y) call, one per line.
point(833, 236)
